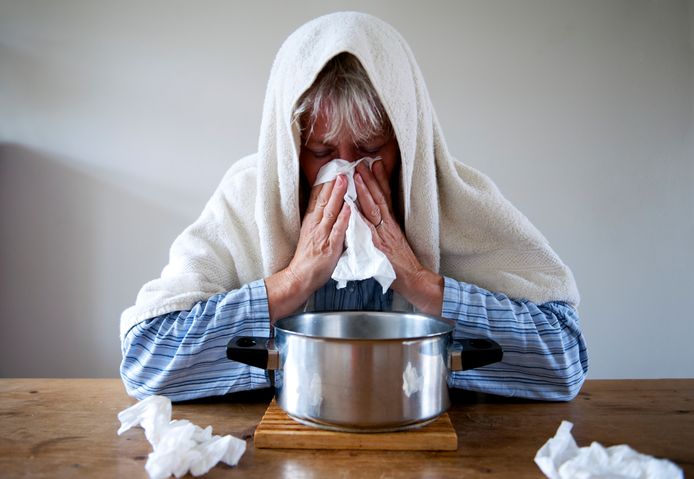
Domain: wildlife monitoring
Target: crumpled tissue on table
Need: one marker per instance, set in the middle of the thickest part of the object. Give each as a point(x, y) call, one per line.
point(361, 259)
point(179, 446)
point(561, 458)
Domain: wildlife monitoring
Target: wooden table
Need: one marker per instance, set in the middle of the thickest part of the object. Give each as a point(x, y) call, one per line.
point(67, 428)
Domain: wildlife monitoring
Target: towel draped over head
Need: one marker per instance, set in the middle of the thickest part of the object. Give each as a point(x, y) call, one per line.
point(455, 218)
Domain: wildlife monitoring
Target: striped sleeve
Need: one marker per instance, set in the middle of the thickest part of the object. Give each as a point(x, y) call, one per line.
point(182, 355)
point(545, 355)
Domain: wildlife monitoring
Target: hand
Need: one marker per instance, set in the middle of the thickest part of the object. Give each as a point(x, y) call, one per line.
point(321, 242)
point(322, 236)
point(420, 286)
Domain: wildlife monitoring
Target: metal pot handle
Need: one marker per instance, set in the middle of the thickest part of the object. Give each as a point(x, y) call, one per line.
point(464, 354)
point(254, 351)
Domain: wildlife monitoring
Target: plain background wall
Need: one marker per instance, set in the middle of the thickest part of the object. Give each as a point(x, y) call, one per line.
point(118, 119)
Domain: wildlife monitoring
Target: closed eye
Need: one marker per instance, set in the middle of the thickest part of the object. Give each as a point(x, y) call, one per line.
point(320, 153)
point(370, 148)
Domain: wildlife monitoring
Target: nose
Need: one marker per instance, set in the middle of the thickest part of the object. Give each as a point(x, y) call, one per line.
point(349, 152)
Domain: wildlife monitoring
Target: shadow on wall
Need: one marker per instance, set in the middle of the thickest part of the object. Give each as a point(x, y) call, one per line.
point(67, 246)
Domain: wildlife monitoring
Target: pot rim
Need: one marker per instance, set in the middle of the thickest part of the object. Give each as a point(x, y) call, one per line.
point(450, 325)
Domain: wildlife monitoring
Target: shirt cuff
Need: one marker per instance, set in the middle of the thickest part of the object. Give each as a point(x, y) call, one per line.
point(260, 311)
point(453, 292)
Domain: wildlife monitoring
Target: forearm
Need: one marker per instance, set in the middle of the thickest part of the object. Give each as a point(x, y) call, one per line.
point(423, 289)
point(544, 352)
point(286, 293)
point(182, 355)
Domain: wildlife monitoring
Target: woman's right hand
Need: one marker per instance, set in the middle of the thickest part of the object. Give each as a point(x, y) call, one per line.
point(321, 242)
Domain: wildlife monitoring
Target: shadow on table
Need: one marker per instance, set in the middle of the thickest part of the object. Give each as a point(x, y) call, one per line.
point(458, 396)
point(242, 397)
point(461, 396)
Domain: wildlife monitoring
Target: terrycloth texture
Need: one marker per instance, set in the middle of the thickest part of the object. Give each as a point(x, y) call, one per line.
point(361, 259)
point(456, 220)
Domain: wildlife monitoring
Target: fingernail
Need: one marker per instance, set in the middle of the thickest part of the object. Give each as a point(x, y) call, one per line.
point(358, 178)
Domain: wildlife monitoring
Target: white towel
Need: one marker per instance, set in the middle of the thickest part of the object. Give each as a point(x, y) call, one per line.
point(455, 218)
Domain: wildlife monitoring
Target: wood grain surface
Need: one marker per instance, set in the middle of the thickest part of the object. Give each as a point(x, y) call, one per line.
point(278, 431)
point(64, 428)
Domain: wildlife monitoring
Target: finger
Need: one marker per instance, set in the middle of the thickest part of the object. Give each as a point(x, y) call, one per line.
point(367, 205)
point(379, 171)
point(335, 201)
point(313, 197)
point(337, 235)
point(376, 236)
point(379, 195)
point(320, 194)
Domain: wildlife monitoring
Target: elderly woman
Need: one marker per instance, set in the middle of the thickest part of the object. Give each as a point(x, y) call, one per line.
point(347, 86)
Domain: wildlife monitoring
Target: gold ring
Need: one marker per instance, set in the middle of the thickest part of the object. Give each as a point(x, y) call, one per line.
point(379, 224)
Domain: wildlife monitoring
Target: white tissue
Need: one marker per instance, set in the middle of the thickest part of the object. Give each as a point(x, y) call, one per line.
point(179, 446)
point(361, 259)
point(561, 458)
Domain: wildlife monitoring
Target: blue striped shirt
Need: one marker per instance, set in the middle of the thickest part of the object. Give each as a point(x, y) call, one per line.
point(182, 355)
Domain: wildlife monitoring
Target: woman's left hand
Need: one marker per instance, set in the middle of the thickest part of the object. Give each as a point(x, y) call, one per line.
point(417, 284)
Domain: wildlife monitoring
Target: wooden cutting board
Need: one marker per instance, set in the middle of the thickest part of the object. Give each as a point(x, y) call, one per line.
point(278, 431)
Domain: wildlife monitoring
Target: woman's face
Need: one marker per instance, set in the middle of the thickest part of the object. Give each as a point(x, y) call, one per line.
point(316, 151)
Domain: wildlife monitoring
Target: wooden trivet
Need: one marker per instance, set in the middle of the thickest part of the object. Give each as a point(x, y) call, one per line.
point(278, 431)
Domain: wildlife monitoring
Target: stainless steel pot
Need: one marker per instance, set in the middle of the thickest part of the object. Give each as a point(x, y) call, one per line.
point(363, 371)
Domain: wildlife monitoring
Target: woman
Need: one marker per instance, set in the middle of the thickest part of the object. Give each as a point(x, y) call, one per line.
point(347, 86)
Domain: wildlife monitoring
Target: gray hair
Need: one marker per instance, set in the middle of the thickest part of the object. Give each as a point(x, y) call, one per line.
point(352, 104)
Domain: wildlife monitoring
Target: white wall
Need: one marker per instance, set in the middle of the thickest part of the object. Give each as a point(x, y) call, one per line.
point(117, 119)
